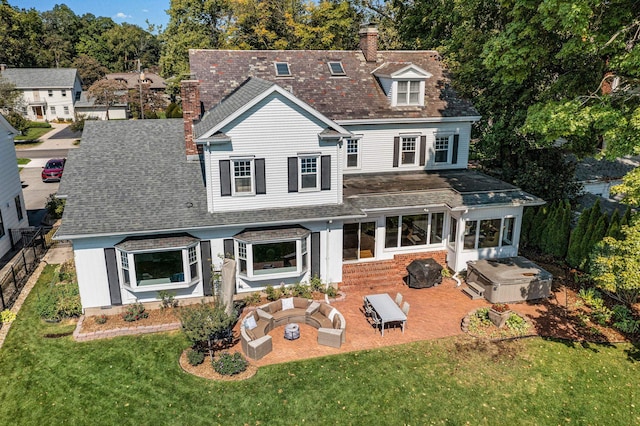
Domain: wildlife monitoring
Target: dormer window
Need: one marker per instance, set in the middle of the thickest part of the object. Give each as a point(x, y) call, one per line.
point(336, 69)
point(408, 92)
point(282, 69)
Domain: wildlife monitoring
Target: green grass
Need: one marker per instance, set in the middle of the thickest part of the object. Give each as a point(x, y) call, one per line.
point(137, 380)
point(23, 161)
point(33, 134)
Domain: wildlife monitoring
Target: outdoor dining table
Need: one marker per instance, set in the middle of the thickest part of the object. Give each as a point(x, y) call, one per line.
point(386, 309)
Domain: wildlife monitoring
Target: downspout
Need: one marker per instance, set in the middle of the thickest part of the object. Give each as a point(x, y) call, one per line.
point(327, 258)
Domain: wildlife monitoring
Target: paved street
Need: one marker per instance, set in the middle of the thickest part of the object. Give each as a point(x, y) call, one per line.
point(35, 191)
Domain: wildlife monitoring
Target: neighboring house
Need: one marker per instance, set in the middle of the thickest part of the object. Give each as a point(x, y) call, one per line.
point(13, 214)
point(305, 163)
point(597, 176)
point(48, 93)
point(87, 107)
point(133, 80)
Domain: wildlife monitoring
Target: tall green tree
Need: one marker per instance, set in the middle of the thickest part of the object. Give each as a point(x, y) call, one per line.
point(60, 33)
point(20, 36)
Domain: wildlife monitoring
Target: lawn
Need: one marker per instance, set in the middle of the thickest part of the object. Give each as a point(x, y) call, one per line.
point(23, 161)
point(137, 380)
point(33, 134)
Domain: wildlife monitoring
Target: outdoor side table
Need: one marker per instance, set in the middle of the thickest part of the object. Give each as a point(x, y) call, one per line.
point(292, 331)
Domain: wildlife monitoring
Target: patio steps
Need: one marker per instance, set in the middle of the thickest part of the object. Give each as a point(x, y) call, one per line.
point(473, 290)
point(371, 274)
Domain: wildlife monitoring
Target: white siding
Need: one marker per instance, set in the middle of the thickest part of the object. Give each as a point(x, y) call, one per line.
point(275, 129)
point(91, 271)
point(377, 145)
point(10, 188)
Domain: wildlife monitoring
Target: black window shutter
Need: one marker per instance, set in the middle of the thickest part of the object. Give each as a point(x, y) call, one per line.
point(454, 154)
point(229, 251)
point(325, 172)
point(293, 174)
point(261, 184)
point(205, 255)
point(396, 151)
point(315, 254)
point(423, 150)
point(112, 276)
point(225, 178)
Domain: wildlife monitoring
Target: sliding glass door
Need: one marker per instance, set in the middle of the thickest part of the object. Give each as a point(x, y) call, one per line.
point(359, 241)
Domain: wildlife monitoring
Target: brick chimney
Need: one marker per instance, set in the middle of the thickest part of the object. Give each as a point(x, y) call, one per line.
point(369, 41)
point(190, 92)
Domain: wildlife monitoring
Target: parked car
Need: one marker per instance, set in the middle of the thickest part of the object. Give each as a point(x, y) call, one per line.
point(52, 171)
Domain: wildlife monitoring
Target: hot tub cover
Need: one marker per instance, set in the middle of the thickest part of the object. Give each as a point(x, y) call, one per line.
point(510, 270)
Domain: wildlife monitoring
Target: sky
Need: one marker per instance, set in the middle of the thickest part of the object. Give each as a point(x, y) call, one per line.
point(130, 11)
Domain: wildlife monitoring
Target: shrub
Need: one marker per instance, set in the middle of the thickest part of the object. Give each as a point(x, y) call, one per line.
point(446, 273)
point(195, 357)
point(59, 301)
point(101, 319)
point(18, 122)
point(39, 124)
point(517, 323)
point(167, 299)
point(67, 271)
point(228, 365)
point(272, 293)
point(602, 315)
point(331, 291)
point(591, 297)
point(316, 283)
point(55, 206)
point(135, 312)
point(253, 299)
point(301, 290)
point(624, 321)
point(7, 316)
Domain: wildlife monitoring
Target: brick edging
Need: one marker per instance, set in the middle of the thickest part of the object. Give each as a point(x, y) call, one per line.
point(78, 336)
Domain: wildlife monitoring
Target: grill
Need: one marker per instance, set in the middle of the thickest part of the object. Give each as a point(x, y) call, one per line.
point(424, 273)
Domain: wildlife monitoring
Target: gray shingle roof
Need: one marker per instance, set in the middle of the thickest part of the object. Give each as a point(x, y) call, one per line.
point(244, 94)
point(41, 78)
point(590, 169)
point(221, 71)
point(131, 177)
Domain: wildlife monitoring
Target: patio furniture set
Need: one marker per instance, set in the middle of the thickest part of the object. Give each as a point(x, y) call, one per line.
point(256, 325)
point(381, 310)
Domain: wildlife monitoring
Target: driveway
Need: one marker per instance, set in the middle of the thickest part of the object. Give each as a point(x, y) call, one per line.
point(35, 191)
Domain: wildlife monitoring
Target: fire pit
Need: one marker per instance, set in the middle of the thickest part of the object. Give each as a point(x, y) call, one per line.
point(292, 331)
point(424, 273)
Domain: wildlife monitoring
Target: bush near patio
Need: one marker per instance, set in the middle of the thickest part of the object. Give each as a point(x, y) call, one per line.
point(206, 325)
point(533, 381)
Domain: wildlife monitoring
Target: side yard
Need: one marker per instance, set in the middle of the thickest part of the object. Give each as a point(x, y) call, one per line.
point(46, 377)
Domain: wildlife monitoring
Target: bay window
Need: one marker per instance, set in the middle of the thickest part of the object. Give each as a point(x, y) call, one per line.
point(159, 263)
point(281, 252)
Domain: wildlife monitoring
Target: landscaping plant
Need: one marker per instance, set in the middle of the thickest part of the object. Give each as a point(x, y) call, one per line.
point(7, 317)
point(135, 312)
point(167, 299)
point(228, 365)
point(207, 324)
point(195, 357)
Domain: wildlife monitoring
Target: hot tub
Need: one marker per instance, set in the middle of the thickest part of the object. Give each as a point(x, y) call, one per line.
point(512, 279)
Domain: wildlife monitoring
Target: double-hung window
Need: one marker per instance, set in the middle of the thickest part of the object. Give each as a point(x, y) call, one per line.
point(66, 110)
point(353, 153)
point(442, 149)
point(408, 149)
point(308, 173)
point(52, 108)
point(242, 177)
point(408, 92)
point(63, 92)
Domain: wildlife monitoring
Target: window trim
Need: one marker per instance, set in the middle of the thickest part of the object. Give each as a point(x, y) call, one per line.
point(416, 141)
point(234, 191)
point(427, 231)
point(411, 83)
point(448, 150)
point(500, 234)
point(65, 109)
point(130, 266)
point(316, 158)
point(52, 109)
point(278, 73)
point(302, 266)
point(357, 153)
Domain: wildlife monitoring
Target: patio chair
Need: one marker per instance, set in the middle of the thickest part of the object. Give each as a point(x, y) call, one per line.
point(398, 299)
point(366, 306)
point(375, 320)
point(405, 308)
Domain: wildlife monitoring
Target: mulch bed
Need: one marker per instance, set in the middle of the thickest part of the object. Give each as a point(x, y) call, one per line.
point(156, 317)
point(206, 371)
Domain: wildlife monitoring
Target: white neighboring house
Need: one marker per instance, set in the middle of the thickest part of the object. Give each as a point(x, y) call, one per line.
point(597, 176)
point(13, 214)
point(296, 164)
point(87, 107)
point(47, 93)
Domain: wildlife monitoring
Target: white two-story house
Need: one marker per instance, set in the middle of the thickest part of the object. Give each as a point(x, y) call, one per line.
point(47, 93)
point(13, 214)
point(294, 163)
